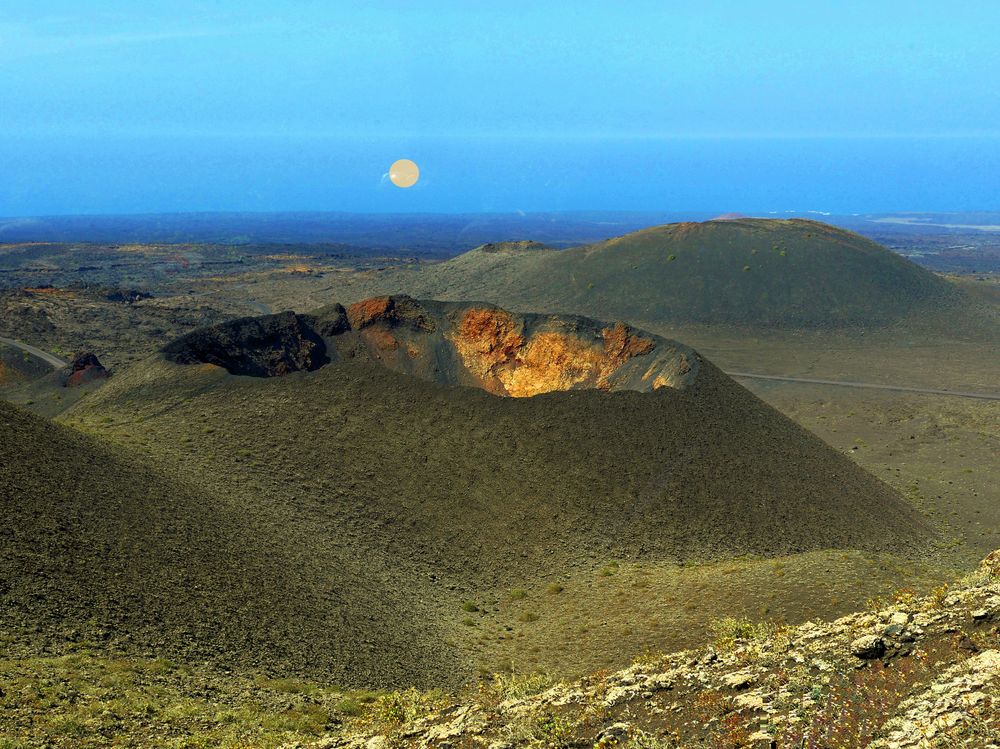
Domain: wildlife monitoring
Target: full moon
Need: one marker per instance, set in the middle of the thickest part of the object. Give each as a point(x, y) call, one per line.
point(404, 173)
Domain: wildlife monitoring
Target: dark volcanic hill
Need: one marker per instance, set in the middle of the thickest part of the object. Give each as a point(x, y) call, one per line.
point(739, 271)
point(322, 492)
point(630, 442)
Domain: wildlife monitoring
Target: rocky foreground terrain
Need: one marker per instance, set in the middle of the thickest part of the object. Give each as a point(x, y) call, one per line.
point(907, 673)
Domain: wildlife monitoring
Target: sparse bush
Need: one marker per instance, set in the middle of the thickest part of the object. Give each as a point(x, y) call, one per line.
point(609, 569)
point(555, 732)
point(503, 687)
point(350, 707)
point(649, 657)
point(394, 709)
point(540, 732)
point(852, 713)
point(518, 593)
point(938, 595)
point(528, 616)
point(643, 740)
point(904, 596)
point(470, 607)
point(555, 588)
point(730, 630)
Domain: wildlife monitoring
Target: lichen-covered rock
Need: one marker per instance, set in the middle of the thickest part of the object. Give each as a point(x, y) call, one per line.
point(802, 686)
point(868, 647)
point(990, 566)
point(954, 710)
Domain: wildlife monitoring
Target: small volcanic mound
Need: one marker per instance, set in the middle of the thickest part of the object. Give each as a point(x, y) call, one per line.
point(86, 367)
point(522, 245)
point(452, 343)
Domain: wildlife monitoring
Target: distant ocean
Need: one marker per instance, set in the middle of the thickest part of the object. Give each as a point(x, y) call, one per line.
point(72, 175)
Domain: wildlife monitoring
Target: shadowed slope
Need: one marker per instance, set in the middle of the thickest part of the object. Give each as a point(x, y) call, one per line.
point(98, 547)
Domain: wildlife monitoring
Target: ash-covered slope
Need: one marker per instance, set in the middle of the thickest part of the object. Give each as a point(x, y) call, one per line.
point(632, 445)
point(330, 513)
point(96, 546)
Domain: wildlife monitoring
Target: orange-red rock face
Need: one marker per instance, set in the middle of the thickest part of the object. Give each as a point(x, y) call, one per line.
point(492, 346)
point(487, 341)
point(367, 311)
point(451, 343)
point(620, 345)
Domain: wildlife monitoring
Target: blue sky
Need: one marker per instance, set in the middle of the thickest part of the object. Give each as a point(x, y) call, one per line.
point(138, 107)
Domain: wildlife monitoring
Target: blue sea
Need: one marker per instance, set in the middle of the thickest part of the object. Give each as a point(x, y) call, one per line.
point(50, 175)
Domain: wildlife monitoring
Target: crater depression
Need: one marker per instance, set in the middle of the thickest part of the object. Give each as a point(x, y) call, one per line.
point(453, 343)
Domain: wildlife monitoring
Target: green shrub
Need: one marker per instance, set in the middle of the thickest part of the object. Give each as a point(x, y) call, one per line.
point(730, 630)
point(350, 707)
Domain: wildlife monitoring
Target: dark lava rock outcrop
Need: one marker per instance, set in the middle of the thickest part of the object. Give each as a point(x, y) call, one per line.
point(267, 346)
point(455, 343)
point(127, 296)
point(83, 369)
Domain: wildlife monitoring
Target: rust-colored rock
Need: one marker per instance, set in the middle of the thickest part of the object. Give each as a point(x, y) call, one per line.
point(493, 346)
point(364, 313)
point(620, 345)
point(85, 368)
point(382, 340)
point(553, 361)
point(487, 340)
point(388, 310)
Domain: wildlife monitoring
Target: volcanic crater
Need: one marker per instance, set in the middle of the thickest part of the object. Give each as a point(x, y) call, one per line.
point(453, 343)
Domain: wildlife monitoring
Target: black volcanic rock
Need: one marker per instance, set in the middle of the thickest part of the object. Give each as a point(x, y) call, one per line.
point(127, 296)
point(267, 346)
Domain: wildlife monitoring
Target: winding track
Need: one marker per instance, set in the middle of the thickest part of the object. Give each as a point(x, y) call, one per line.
point(869, 385)
point(45, 356)
point(58, 363)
